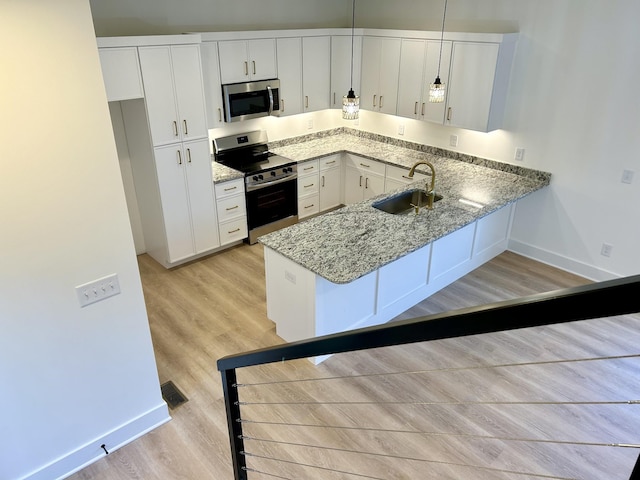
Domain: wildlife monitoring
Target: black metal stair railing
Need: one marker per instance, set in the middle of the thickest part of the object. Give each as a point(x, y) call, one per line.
point(594, 301)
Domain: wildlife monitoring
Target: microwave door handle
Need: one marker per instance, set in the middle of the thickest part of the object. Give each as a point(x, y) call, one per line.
point(270, 99)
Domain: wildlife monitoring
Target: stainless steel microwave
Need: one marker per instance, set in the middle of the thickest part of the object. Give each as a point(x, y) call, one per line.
point(243, 101)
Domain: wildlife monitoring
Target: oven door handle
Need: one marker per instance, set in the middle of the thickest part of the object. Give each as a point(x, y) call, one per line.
point(270, 93)
point(251, 188)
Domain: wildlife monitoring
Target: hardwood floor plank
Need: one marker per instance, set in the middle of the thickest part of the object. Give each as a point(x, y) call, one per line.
point(216, 306)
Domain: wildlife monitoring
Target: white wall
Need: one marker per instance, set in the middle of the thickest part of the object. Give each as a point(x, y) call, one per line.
point(72, 378)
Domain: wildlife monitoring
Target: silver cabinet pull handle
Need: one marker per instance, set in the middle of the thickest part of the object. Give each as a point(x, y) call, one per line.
point(323, 180)
point(381, 101)
point(232, 208)
point(366, 183)
point(334, 98)
point(449, 114)
point(229, 189)
point(179, 157)
point(306, 101)
point(422, 110)
point(234, 231)
point(360, 180)
point(246, 68)
point(254, 66)
point(219, 114)
point(185, 128)
point(310, 206)
point(330, 161)
point(374, 100)
point(310, 185)
point(282, 103)
point(415, 109)
point(175, 128)
point(308, 168)
point(365, 165)
point(188, 155)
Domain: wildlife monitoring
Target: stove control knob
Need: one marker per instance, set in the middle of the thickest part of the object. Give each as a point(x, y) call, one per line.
point(273, 173)
point(260, 177)
point(255, 177)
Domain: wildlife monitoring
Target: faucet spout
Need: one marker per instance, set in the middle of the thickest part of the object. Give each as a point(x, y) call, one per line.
point(430, 189)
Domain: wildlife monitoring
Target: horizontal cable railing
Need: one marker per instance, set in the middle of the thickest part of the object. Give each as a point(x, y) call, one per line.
point(407, 424)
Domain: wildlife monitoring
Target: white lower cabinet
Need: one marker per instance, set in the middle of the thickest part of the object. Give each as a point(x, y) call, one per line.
point(232, 211)
point(363, 178)
point(308, 189)
point(330, 182)
point(186, 195)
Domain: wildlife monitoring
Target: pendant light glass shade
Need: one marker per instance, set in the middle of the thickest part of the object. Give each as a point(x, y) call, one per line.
point(351, 102)
point(437, 88)
point(436, 91)
point(350, 106)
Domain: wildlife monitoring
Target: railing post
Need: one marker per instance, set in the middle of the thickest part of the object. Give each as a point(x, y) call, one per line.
point(232, 406)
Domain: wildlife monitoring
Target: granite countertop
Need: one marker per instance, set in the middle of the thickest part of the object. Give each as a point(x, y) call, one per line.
point(350, 242)
point(222, 173)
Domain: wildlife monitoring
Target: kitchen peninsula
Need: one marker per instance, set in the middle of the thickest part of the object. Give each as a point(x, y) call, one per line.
point(359, 266)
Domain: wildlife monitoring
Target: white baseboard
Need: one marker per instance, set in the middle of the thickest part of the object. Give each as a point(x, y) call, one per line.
point(562, 262)
point(85, 455)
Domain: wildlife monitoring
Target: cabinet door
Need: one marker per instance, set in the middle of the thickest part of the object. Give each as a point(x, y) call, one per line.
point(157, 77)
point(353, 185)
point(370, 74)
point(373, 185)
point(121, 73)
point(341, 80)
point(201, 197)
point(390, 65)
point(174, 199)
point(290, 74)
point(330, 188)
point(316, 73)
point(262, 59)
point(411, 79)
point(187, 73)
point(434, 112)
point(234, 63)
point(472, 76)
point(212, 84)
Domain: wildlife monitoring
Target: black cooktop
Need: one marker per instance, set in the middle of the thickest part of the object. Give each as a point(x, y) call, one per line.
point(248, 153)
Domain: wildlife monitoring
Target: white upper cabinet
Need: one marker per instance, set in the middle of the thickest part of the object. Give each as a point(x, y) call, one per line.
point(341, 67)
point(380, 67)
point(478, 84)
point(316, 73)
point(121, 73)
point(418, 69)
point(172, 78)
point(290, 75)
point(247, 60)
point(212, 84)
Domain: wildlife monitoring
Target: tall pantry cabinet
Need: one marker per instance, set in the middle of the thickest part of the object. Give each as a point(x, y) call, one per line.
point(168, 140)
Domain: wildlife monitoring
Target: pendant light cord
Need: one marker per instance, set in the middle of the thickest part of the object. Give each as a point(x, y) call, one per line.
point(444, 15)
point(353, 23)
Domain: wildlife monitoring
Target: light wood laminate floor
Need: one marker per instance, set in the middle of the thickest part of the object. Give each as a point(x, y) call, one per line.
point(216, 306)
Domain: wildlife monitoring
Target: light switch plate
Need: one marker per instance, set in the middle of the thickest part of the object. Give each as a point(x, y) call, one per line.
point(97, 290)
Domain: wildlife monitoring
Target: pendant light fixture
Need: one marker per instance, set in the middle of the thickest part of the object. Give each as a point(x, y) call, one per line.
point(351, 102)
point(436, 89)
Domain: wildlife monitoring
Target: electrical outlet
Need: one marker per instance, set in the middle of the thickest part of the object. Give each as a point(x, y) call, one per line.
point(310, 124)
point(606, 250)
point(97, 290)
point(453, 140)
point(401, 129)
point(519, 156)
point(627, 176)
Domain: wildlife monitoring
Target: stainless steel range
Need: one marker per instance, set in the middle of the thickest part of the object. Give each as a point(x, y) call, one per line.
point(271, 186)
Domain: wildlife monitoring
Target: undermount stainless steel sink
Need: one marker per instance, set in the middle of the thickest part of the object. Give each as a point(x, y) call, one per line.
point(405, 202)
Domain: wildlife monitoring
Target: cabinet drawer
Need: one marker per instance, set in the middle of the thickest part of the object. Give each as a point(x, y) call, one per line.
point(231, 207)
point(233, 230)
point(365, 164)
point(308, 185)
point(232, 187)
point(400, 174)
point(308, 206)
point(307, 168)
point(330, 162)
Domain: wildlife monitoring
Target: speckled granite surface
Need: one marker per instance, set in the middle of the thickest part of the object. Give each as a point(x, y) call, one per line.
point(222, 173)
point(350, 242)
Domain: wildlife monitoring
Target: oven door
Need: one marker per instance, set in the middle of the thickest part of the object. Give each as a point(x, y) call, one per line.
point(271, 207)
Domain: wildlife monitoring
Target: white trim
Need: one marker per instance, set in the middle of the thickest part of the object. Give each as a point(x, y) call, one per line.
point(91, 451)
